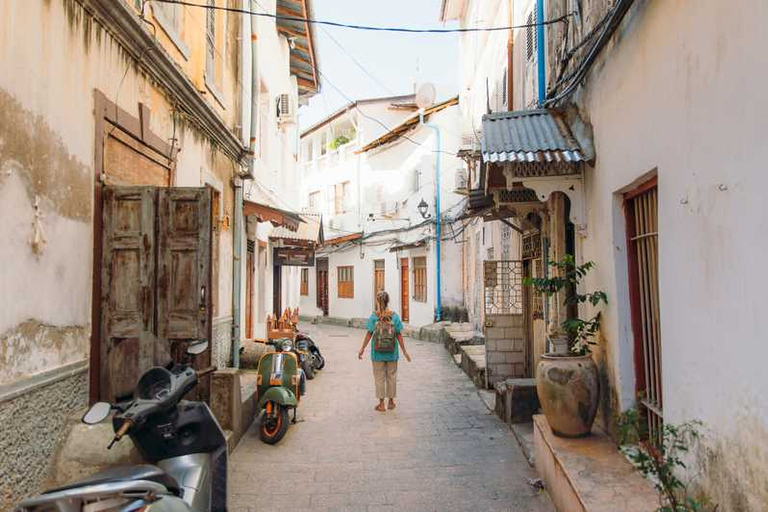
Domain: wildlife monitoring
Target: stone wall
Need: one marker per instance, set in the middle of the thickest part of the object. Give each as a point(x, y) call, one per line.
point(222, 342)
point(32, 419)
point(504, 347)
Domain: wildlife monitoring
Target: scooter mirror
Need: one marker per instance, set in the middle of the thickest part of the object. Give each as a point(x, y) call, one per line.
point(197, 348)
point(97, 413)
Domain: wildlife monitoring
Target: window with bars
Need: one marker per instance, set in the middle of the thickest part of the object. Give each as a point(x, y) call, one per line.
point(530, 36)
point(346, 281)
point(210, 42)
point(305, 281)
point(642, 234)
point(504, 88)
point(378, 276)
point(420, 279)
point(314, 201)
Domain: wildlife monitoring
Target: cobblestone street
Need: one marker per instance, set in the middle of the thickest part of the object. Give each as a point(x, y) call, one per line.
point(439, 450)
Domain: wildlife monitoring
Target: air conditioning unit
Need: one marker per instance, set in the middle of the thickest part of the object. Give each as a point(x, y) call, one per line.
point(469, 141)
point(286, 110)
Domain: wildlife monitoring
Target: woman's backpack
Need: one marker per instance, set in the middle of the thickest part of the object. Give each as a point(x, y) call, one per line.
point(384, 336)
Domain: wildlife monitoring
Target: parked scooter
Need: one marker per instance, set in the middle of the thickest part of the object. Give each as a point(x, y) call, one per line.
point(305, 343)
point(181, 440)
point(280, 385)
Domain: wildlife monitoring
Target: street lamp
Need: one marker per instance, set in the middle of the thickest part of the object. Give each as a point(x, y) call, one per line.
point(423, 207)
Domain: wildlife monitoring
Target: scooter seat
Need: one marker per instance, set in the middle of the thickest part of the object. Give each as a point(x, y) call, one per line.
point(125, 474)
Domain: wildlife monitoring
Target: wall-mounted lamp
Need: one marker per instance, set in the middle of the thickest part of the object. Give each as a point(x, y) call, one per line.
point(423, 207)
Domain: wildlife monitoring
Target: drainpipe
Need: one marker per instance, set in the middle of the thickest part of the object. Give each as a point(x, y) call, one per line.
point(540, 46)
point(438, 220)
point(511, 60)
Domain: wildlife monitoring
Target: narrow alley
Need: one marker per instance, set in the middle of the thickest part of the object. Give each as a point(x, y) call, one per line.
point(440, 449)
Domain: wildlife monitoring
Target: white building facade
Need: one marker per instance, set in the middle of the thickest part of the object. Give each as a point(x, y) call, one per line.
point(663, 141)
point(367, 168)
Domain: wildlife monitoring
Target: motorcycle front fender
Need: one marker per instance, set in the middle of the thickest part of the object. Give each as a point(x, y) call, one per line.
point(279, 395)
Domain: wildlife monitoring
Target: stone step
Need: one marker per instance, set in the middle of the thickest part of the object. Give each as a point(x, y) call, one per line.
point(516, 400)
point(473, 363)
point(589, 474)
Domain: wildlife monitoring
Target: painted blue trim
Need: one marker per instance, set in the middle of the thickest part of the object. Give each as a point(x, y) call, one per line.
point(541, 53)
point(438, 220)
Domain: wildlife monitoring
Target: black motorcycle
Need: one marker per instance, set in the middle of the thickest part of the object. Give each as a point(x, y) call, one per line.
point(306, 344)
point(181, 440)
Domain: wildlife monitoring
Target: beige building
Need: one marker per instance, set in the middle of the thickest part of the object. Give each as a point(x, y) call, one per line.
point(124, 143)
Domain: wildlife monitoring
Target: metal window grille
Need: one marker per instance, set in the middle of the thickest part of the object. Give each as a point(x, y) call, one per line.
point(504, 87)
point(643, 240)
point(503, 287)
point(530, 36)
point(210, 38)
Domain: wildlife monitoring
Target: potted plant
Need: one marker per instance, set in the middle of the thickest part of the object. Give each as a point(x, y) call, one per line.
point(566, 378)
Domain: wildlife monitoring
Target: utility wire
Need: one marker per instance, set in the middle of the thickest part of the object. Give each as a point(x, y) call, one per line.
point(378, 82)
point(371, 118)
point(373, 28)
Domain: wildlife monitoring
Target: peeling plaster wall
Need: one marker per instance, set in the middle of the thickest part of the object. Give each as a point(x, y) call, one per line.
point(52, 59)
point(681, 91)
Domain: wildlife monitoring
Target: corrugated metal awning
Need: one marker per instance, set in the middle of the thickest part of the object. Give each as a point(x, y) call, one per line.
point(309, 232)
point(540, 136)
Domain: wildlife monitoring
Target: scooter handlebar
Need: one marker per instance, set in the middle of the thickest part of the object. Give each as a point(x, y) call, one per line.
point(124, 428)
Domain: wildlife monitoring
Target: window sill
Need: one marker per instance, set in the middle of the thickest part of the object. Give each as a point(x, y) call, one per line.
point(171, 32)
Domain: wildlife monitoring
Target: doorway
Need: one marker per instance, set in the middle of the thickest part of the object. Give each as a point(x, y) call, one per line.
point(250, 269)
point(642, 252)
point(404, 290)
point(322, 285)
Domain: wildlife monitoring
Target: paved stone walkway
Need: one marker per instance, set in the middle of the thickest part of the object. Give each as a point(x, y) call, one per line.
point(439, 450)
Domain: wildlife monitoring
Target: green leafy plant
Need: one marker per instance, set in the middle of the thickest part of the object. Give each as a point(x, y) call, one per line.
point(566, 278)
point(660, 457)
point(340, 140)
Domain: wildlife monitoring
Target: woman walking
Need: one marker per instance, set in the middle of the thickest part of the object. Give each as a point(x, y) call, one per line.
point(385, 327)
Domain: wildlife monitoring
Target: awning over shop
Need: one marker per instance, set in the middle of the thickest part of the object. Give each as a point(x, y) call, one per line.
point(308, 234)
point(412, 245)
point(267, 213)
point(534, 142)
point(344, 239)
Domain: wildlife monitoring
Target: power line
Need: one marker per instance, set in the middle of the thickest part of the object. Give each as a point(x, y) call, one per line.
point(372, 28)
point(375, 120)
point(357, 63)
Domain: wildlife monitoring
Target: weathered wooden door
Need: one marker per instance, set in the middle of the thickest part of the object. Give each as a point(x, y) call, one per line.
point(322, 285)
point(250, 268)
point(155, 278)
point(404, 290)
point(378, 278)
point(277, 290)
point(184, 267)
point(127, 288)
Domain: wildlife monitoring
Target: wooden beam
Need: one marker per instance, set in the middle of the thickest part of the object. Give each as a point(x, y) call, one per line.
point(284, 11)
point(309, 41)
point(290, 32)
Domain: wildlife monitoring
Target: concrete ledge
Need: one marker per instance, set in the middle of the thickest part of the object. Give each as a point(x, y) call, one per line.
point(435, 333)
point(516, 400)
point(473, 363)
point(589, 474)
point(232, 402)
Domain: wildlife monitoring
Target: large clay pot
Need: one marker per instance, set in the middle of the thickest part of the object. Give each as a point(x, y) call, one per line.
point(568, 390)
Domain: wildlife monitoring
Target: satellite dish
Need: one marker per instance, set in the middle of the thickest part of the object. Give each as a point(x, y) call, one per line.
point(425, 95)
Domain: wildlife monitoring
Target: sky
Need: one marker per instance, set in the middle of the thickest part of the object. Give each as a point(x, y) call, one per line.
point(394, 60)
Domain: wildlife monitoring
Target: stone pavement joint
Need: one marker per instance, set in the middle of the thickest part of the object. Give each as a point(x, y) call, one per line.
point(440, 450)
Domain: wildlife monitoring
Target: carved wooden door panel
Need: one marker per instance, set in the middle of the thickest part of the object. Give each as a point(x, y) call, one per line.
point(127, 288)
point(184, 272)
point(404, 290)
point(156, 281)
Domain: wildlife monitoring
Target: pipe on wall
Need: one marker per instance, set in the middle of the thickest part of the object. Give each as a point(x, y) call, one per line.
point(541, 53)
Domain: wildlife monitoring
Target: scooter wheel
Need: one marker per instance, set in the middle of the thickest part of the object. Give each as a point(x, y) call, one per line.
point(308, 371)
point(273, 428)
point(319, 361)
